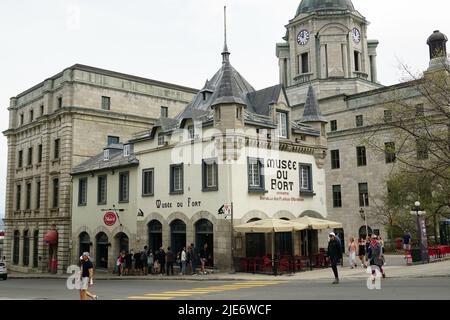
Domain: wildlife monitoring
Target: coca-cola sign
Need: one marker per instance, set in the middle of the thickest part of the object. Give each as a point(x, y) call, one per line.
point(110, 219)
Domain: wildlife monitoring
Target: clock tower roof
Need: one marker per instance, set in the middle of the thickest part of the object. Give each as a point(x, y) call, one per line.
point(309, 6)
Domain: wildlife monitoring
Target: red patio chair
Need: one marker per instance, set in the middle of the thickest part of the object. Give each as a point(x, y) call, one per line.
point(284, 265)
point(252, 265)
point(266, 264)
point(243, 264)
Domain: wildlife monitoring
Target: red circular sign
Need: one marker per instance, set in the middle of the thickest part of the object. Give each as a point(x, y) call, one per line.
point(110, 218)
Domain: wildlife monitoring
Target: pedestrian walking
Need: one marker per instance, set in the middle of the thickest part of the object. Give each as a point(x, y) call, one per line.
point(119, 264)
point(150, 261)
point(162, 260)
point(381, 241)
point(195, 259)
point(362, 252)
point(144, 264)
point(128, 263)
point(352, 253)
point(204, 256)
point(170, 258)
point(406, 243)
point(87, 277)
point(375, 255)
point(368, 239)
point(183, 261)
point(137, 263)
point(335, 255)
point(189, 260)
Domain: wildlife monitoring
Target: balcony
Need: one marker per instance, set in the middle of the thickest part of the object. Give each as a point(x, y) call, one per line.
point(360, 75)
point(303, 78)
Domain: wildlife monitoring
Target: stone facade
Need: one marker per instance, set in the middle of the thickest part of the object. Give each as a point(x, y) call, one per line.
point(344, 94)
point(68, 107)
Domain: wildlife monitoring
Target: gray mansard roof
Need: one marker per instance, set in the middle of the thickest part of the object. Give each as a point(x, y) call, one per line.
point(312, 112)
point(228, 86)
point(98, 163)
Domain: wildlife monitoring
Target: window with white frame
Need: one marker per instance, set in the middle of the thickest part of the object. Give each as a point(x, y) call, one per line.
point(306, 178)
point(176, 178)
point(282, 124)
point(106, 154)
point(210, 175)
point(255, 174)
point(148, 182)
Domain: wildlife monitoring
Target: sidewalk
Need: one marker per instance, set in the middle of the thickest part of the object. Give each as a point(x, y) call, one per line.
point(435, 269)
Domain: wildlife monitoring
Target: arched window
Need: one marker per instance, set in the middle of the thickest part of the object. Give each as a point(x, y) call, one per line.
point(154, 235)
point(102, 250)
point(16, 245)
point(177, 235)
point(122, 243)
point(26, 248)
point(204, 234)
point(85, 241)
point(35, 248)
point(362, 232)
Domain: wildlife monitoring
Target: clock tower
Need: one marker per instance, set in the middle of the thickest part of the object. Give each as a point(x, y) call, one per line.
point(326, 46)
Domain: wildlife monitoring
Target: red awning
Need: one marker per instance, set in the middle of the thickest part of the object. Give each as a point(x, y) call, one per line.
point(51, 237)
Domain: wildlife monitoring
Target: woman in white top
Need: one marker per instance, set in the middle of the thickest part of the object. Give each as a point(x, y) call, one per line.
point(183, 261)
point(352, 253)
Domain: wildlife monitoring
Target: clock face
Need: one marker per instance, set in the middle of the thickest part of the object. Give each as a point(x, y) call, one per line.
point(303, 37)
point(356, 35)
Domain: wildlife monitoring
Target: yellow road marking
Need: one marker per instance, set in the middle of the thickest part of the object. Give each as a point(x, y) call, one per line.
point(167, 295)
point(150, 298)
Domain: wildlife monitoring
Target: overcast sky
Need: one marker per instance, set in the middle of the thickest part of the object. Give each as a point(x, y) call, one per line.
point(180, 41)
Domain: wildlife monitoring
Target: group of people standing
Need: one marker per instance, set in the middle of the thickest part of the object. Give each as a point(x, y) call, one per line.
point(369, 250)
point(162, 262)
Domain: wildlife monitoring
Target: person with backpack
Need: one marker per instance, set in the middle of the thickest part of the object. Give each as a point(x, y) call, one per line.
point(376, 256)
point(137, 263)
point(170, 258)
point(144, 264)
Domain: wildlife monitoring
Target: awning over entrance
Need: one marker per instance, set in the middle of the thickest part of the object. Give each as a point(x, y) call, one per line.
point(51, 237)
point(318, 224)
point(271, 225)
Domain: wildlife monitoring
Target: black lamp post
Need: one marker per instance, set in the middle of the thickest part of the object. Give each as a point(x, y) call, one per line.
point(364, 216)
point(418, 211)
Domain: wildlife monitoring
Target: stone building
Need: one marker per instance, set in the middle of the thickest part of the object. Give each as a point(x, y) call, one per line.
point(326, 46)
point(53, 127)
point(231, 146)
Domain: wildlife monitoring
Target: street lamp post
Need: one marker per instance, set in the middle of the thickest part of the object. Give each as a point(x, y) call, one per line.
point(364, 216)
point(418, 211)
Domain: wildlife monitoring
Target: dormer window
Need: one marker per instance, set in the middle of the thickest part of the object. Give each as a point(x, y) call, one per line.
point(160, 139)
point(106, 154)
point(282, 124)
point(191, 132)
point(127, 150)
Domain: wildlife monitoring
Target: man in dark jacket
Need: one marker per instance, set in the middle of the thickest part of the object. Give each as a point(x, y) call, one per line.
point(335, 255)
point(170, 258)
point(162, 260)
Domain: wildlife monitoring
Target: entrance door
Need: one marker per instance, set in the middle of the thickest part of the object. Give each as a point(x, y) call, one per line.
point(204, 234)
point(102, 251)
point(255, 245)
point(177, 235)
point(283, 243)
point(154, 235)
point(84, 243)
point(122, 243)
point(362, 232)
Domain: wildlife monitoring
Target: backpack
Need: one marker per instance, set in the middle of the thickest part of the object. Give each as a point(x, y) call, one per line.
point(143, 256)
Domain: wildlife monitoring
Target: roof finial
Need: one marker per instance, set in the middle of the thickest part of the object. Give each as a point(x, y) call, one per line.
point(225, 53)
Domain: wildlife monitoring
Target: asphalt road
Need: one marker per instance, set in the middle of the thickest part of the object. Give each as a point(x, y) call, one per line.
point(391, 289)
